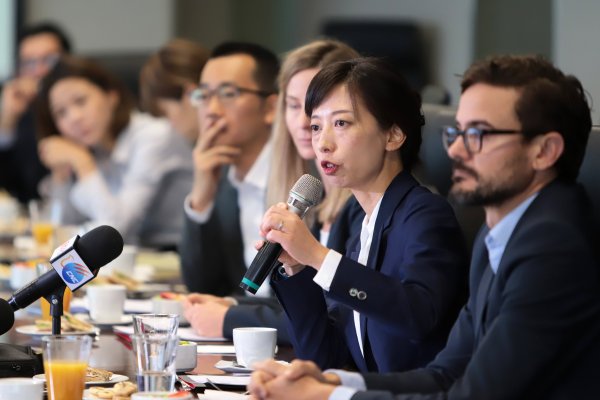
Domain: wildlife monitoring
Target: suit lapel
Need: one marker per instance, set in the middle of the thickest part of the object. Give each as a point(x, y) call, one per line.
point(392, 199)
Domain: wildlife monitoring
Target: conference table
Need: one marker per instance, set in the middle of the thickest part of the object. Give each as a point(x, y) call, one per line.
point(111, 352)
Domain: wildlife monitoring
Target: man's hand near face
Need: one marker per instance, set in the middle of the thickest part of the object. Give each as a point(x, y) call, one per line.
point(208, 160)
point(16, 97)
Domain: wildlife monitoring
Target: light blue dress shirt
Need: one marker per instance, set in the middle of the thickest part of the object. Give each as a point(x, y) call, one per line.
point(497, 238)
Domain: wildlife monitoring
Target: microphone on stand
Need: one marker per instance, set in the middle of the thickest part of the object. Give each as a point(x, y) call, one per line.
point(74, 263)
point(306, 193)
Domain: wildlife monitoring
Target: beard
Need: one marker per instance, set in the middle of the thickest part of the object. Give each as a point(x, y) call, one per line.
point(491, 192)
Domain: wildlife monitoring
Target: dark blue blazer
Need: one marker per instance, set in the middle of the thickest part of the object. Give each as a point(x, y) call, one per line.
point(412, 288)
point(532, 330)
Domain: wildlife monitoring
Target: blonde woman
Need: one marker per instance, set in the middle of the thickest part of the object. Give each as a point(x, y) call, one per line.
point(292, 156)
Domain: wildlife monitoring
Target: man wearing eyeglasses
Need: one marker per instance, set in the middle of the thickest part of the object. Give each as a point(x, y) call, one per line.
point(531, 327)
point(40, 47)
point(235, 99)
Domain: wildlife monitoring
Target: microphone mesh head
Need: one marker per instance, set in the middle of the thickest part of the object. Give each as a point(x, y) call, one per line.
point(310, 188)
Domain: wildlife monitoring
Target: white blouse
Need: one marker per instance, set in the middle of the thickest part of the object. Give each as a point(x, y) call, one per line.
point(138, 188)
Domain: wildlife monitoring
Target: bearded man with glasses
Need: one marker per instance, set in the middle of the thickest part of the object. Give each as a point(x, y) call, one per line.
point(531, 326)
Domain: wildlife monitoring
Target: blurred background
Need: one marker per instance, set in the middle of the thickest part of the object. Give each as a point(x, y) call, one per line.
point(432, 41)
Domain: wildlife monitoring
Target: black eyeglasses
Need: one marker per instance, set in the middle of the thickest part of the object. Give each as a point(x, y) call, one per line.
point(472, 136)
point(226, 93)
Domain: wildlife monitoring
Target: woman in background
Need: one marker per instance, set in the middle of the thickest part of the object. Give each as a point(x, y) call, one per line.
point(292, 157)
point(166, 81)
point(110, 164)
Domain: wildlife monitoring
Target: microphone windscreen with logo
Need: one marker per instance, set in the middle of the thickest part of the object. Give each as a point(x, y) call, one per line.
point(100, 246)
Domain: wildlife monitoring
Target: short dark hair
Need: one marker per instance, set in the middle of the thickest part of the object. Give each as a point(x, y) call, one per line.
point(384, 91)
point(75, 67)
point(549, 101)
point(166, 72)
point(47, 28)
point(267, 63)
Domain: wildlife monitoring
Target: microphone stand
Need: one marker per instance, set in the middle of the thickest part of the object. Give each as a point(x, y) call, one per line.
point(56, 308)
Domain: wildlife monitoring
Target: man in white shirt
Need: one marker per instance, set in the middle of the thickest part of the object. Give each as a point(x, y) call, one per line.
point(236, 100)
point(531, 327)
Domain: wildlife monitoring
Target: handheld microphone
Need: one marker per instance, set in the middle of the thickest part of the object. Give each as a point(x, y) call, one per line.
point(75, 263)
point(307, 192)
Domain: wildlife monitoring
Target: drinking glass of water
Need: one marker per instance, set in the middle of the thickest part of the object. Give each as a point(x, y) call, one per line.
point(155, 361)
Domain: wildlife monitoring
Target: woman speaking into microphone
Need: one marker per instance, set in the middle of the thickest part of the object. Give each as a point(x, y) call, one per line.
point(395, 293)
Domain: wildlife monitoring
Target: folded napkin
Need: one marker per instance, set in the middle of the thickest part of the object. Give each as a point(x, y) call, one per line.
point(232, 380)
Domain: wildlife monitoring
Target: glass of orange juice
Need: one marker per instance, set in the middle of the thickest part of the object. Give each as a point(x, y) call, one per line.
point(43, 219)
point(65, 363)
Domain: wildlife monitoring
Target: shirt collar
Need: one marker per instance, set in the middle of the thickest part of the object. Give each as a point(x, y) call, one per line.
point(497, 238)
point(258, 175)
point(369, 221)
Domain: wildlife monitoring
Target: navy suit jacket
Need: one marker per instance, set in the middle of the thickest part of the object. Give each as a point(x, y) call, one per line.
point(532, 331)
point(212, 254)
point(414, 285)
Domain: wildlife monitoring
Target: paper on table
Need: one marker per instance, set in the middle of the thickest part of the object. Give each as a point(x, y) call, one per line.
point(137, 306)
point(215, 349)
point(233, 380)
point(189, 334)
point(183, 333)
point(210, 394)
point(132, 306)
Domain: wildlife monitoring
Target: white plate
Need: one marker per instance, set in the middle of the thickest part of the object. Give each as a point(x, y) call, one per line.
point(34, 331)
point(113, 379)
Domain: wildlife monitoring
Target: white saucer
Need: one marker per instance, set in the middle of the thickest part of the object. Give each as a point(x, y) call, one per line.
point(113, 379)
point(232, 367)
point(235, 368)
point(125, 319)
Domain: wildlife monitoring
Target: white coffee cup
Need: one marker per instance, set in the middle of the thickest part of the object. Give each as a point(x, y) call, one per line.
point(21, 274)
point(168, 306)
point(124, 263)
point(21, 388)
point(106, 302)
point(254, 344)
